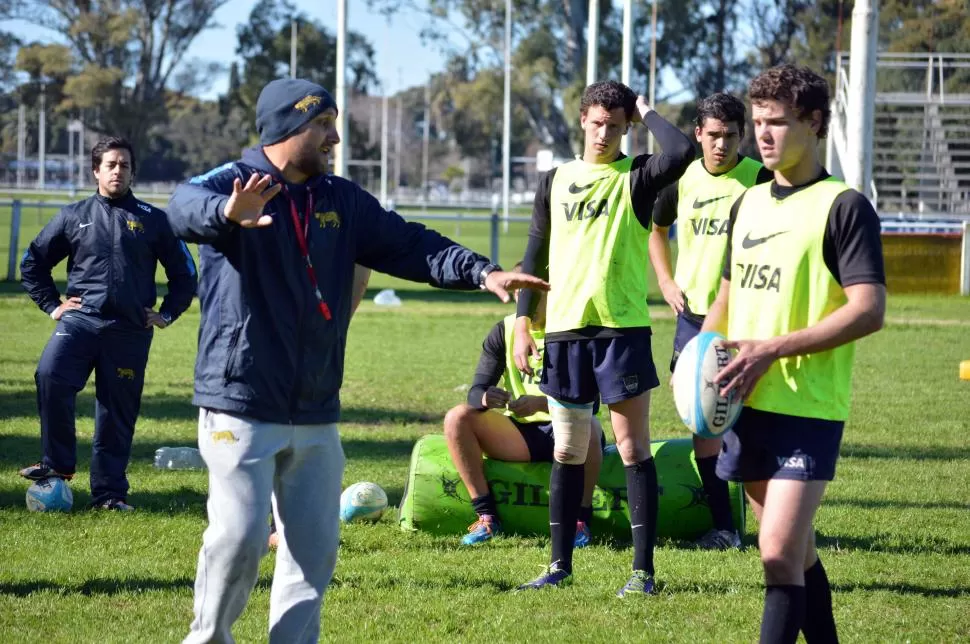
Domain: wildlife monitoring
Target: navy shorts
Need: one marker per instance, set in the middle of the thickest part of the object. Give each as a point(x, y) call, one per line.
point(612, 369)
point(539, 439)
point(763, 445)
point(687, 330)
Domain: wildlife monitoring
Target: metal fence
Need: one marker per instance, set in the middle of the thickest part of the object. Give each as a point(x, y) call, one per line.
point(497, 222)
point(19, 208)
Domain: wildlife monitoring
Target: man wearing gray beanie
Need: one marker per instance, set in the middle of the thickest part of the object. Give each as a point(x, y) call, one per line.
point(278, 240)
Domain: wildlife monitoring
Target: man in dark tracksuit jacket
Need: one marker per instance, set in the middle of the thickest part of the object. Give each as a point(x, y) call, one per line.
point(112, 243)
point(277, 264)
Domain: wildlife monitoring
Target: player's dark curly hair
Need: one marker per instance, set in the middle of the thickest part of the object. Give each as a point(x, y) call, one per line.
point(722, 107)
point(798, 87)
point(609, 95)
point(111, 143)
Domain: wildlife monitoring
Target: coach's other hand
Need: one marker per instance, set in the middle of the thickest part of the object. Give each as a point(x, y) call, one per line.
point(69, 305)
point(245, 205)
point(154, 319)
point(501, 282)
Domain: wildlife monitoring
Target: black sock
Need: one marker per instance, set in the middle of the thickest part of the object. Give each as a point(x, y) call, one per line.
point(485, 504)
point(716, 491)
point(819, 626)
point(586, 514)
point(783, 615)
point(565, 495)
point(641, 490)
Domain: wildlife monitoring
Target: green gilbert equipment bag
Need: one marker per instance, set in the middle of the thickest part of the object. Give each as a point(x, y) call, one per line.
point(436, 501)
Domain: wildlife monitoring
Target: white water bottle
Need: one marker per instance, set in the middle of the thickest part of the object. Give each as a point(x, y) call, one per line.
point(178, 458)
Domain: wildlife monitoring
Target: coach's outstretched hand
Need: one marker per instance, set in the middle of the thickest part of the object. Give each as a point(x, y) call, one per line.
point(245, 205)
point(501, 282)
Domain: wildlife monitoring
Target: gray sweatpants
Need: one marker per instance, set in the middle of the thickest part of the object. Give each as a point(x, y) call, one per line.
point(300, 468)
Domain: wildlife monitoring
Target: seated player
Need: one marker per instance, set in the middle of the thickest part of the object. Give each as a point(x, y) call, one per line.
point(509, 424)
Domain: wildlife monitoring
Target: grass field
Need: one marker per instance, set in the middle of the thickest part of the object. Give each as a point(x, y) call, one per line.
point(894, 529)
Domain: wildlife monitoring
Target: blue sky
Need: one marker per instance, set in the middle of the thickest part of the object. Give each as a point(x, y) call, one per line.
point(219, 44)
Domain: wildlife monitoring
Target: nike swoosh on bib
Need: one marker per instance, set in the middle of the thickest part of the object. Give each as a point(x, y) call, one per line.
point(747, 242)
point(701, 204)
point(575, 190)
point(85, 225)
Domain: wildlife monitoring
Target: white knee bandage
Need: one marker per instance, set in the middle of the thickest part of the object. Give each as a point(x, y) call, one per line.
point(571, 426)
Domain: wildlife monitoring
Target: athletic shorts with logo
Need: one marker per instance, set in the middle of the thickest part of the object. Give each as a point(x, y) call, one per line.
point(764, 445)
point(613, 369)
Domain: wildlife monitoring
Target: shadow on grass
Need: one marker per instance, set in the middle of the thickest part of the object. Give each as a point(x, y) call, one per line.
point(892, 544)
point(20, 450)
point(107, 586)
point(168, 407)
point(382, 416)
point(182, 500)
point(397, 449)
point(914, 452)
point(871, 504)
point(165, 407)
point(451, 582)
point(904, 589)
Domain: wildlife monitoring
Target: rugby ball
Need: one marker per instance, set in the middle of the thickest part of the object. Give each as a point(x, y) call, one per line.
point(698, 398)
point(50, 495)
point(362, 502)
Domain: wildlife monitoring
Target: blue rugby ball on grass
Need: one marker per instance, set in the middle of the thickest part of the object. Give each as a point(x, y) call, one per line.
point(50, 495)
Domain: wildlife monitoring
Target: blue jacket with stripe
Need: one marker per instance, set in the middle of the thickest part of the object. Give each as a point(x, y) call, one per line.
point(112, 248)
point(265, 349)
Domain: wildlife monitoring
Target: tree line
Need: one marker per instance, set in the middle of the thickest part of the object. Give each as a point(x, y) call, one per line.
point(121, 67)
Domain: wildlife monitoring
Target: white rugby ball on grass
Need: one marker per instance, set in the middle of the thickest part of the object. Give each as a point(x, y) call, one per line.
point(698, 398)
point(362, 501)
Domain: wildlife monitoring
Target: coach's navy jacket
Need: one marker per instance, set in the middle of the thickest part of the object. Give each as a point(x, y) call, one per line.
point(265, 349)
point(112, 246)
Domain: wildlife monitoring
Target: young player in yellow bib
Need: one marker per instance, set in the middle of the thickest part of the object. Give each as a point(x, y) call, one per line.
point(803, 279)
point(589, 230)
point(701, 202)
point(510, 424)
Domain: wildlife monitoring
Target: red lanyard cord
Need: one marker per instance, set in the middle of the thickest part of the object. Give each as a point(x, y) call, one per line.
point(301, 239)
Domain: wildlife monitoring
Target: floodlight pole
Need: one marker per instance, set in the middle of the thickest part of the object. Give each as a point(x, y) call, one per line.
point(652, 98)
point(627, 64)
point(293, 48)
point(426, 143)
point(42, 139)
point(384, 146)
point(342, 151)
point(862, 95)
point(592, 40)
point(21, 143)
point(507, 118)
